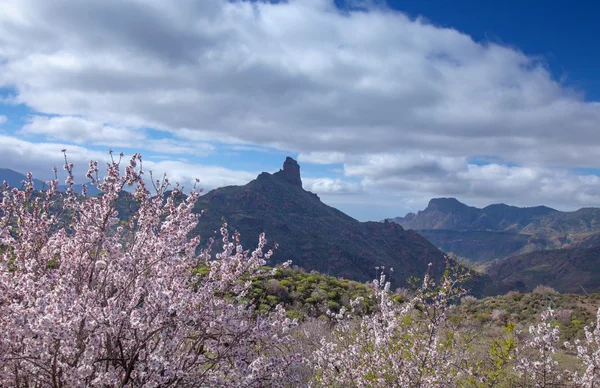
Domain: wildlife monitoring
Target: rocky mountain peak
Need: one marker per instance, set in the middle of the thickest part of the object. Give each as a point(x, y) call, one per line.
point(290, 172)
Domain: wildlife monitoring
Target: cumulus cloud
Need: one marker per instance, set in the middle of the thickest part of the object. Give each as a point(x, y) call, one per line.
point(406, 165)
point(210, 176)
point(80, 130)
point(484, 184)
point(395, 100)
point(40, 158)
point(322, 157)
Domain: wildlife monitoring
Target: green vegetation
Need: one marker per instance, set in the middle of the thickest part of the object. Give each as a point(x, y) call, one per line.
point(572, 311)
point(309, 294)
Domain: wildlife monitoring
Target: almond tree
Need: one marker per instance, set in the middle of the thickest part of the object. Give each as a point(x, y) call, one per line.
point(409, 345)
point(536, 363)
point(588, 351)
point(89, 300)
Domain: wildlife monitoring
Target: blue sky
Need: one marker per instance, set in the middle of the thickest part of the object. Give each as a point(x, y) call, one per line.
point(560, 31)
point(385, 105)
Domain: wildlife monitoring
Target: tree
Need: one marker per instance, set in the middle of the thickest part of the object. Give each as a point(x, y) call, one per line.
point(401, 345)
point(89, 300)
point(588, 351)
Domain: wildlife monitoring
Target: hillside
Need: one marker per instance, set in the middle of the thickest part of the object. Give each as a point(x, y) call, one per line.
point(478, 246)
point(566, 270)
point(316, 236)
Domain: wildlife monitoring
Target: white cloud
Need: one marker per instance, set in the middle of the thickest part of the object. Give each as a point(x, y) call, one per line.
point(80, 130)
point(409, 164)
point(210, 176)
point(492, 183)
point(403, 104)
point(321, 157)
point(3, 119)
point(261, 74)
point(40, 158)
point(328, 186)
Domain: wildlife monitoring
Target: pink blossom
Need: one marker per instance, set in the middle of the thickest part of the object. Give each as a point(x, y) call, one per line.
point(86, 303)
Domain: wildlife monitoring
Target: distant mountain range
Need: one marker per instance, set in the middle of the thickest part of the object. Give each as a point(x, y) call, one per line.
point(499, 231)
point(517, 246)
point(15, 179)
point(449, 213)
point(522, 247)
point(308, 232)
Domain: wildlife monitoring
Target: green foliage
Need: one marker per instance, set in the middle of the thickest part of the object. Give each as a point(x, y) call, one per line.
point(501, 352)
point(308, 294)
point(524, 309)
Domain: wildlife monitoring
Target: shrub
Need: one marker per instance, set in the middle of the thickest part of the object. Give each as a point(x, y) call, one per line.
point(498, 315)
point(544, 290)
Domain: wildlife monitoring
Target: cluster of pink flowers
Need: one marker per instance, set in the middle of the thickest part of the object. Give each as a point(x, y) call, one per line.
point(538, 367)
point(89, 300)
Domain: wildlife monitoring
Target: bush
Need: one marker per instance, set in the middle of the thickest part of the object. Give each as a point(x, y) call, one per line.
point(544, 290)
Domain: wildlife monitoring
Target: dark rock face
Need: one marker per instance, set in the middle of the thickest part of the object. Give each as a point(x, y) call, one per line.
point(290, 172)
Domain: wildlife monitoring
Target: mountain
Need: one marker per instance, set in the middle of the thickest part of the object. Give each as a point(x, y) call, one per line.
point(499, 231)
point(316, 236)
point(449, 213)
point(15, 179)
point(441, 213)
point(312, 234)
point(573, 270)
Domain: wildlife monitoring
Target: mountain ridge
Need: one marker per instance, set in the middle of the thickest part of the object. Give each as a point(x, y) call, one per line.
point(570, 270)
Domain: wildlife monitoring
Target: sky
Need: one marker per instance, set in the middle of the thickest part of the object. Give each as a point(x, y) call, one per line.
point(384, 104)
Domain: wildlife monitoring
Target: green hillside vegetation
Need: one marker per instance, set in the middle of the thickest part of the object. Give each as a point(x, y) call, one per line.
point(572, 311)
point(489, 327)
point(309, 295)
